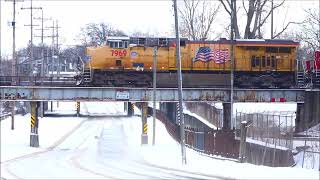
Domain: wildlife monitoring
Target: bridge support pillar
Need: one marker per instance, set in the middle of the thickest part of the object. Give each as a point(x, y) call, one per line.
point(144, 116)
point(13, 112)
point(130, 110)
point(78, 108)
point(311, 109)
point(299, 117)
point(45, 107)
point(125, 106)
point(170, 109)
point(308, 113)
point(41, 109)
point(226, 116)
point(34, 137)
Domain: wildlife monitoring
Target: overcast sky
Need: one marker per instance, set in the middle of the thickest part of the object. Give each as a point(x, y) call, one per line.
point(155, 17)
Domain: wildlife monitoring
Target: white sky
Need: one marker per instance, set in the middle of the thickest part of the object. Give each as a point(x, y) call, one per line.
point(155, 17)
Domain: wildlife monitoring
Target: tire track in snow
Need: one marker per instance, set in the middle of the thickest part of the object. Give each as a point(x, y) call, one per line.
point(76, 163)
point(6, 164)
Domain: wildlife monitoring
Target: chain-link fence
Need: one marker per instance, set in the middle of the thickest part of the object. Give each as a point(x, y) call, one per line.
point(273, 129)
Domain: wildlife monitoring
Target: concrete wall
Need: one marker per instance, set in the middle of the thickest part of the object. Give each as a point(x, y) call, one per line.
point(206, 111)
point(308, 113)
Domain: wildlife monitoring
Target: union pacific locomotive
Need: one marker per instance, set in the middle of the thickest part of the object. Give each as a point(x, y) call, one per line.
point(128, 61)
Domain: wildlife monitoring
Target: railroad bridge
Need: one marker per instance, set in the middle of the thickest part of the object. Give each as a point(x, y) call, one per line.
point(308, 100)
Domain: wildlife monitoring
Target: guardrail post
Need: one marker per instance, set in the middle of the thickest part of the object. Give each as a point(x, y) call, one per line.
point(144, 115)
point(34, 137)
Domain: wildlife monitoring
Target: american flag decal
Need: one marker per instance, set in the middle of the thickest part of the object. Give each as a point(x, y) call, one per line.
point(205, 54)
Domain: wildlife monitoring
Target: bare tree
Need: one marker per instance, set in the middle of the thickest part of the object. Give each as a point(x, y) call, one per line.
point(71, 55)
point(257, 12)
point(310, 30)
point(141, 34)
point(5, 66)
point(197, 17)
point(95, 34)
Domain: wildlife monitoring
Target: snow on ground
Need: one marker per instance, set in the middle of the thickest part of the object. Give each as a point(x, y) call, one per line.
point(15, 143)
point(260, 107)
point(109, 148)
point(165, 145)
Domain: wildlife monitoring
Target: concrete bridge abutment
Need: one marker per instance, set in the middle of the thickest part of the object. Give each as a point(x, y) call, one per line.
point(226, 116)
point(308, 113)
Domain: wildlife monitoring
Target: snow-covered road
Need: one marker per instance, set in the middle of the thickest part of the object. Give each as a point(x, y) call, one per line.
point(109, 148)
point(99, 148)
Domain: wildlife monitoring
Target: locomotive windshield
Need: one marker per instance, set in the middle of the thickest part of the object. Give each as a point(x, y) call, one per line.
point(118, 42)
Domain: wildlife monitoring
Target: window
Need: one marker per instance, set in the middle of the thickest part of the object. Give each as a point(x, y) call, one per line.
point(182, 43)
point(141, 41)
point(253, 48)
point(253, 61)
point(271, 49)
point(284, 50)
point(263, 61)
point(257, 61)
point(163, 42)
point(118, 44)
point(273, 61)
point(118, 62)
point(268, 61)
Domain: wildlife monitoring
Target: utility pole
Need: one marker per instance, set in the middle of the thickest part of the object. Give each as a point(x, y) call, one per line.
point(42, 41)
point(14, 59)
point(178, 59)
point(31, 32)
point(155, 53)
point(57, 46)
point(232, 60)
point(271, 19)
point(14, 71)
point(52, 47)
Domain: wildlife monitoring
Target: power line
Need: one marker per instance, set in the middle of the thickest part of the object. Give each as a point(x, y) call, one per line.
point(31, 31)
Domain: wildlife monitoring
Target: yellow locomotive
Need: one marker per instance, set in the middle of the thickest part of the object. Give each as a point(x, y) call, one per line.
point(128, 61)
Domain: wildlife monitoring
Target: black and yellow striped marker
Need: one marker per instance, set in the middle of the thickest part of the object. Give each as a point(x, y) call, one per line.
point(33, 121)
point(145, 128)
point(78, 106)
